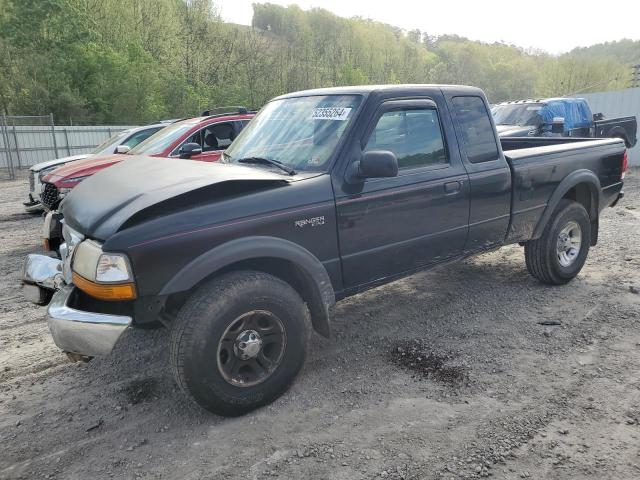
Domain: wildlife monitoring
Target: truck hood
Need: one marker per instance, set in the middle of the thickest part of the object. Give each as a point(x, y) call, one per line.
point(82, 168)
point(513, 130)
point(100, 205)
point(58, 161)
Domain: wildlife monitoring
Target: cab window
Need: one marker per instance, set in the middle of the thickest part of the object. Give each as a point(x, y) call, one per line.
point(413, 135)
point(477, 131)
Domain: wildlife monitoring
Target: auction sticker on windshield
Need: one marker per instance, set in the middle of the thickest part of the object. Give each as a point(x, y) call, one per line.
point(331, 113)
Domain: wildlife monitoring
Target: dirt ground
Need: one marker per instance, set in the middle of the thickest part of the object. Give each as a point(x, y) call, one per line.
point(471, 370)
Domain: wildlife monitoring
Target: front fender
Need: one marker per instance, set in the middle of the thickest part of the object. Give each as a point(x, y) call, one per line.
point(248, 248)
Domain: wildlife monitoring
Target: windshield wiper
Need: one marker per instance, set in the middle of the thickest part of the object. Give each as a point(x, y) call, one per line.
point(268, 161)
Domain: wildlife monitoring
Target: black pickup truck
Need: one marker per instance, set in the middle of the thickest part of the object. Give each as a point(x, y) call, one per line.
point(568, 117)
point(326, 193)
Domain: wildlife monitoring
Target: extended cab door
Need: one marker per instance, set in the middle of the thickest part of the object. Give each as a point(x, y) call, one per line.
point(391, 226)
point(489, 172)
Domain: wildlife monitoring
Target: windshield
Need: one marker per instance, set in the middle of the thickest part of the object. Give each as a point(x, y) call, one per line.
point(160, 141)
point(110, 144)
point(523, 114)
point(299, 132)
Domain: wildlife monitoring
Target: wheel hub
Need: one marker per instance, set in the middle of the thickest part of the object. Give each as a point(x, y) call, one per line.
point(569, 243)
point(247, 345)
point(251, 348)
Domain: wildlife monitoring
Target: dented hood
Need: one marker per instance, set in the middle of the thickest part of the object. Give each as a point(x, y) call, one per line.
point(100, 205)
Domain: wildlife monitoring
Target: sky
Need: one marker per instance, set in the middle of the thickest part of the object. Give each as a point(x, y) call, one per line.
point(527, 24)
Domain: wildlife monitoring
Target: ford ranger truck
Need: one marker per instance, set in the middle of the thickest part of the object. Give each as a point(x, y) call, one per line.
point(325, 194)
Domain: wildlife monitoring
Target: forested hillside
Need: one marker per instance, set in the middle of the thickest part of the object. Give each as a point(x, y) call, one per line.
point(624, 51)
point(125, 61)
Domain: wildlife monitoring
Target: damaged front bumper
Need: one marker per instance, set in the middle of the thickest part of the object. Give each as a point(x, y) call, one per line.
point(77, 332)
point(41, 276)
point(81, 332)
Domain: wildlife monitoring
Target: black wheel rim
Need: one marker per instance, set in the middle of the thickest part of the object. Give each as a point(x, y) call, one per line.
point(251, 348)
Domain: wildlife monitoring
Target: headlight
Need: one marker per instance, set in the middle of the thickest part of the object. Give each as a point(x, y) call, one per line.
point(106, 276)
point(113, 268)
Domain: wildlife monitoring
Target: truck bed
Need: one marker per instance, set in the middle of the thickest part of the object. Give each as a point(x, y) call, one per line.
point(539, 164)
point(623, 127)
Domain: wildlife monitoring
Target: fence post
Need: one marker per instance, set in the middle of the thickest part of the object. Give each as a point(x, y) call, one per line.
point(66, 140)
point(15, 141)
point(53, 132)
point(7, 150)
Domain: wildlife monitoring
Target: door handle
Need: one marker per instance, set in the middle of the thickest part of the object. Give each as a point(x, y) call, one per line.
point(452, 187)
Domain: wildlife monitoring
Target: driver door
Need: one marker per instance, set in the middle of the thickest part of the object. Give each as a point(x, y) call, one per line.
point(392, 226)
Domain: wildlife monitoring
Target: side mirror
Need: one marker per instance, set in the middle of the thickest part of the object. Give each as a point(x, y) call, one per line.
point(190, 149)
point(598, 116)
point(123, 149)
point(557, 126)
point(373, 164)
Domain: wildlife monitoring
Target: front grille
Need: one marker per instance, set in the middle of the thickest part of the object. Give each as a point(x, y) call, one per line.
point(49, 196)
point(32, 181)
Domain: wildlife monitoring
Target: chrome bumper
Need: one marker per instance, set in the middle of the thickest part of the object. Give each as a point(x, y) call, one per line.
point(42, 271)
point(80, 332)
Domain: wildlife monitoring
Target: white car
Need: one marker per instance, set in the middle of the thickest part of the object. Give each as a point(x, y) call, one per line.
point(121, 142)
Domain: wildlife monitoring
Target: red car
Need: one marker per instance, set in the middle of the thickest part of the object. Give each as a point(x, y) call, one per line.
point(201, 138)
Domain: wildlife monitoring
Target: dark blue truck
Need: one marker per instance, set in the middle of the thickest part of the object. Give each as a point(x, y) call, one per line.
point(568, 117)
point(326, 193)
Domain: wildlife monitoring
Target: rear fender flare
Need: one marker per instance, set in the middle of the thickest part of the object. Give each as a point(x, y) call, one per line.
point(570, 181)
point(322, 295)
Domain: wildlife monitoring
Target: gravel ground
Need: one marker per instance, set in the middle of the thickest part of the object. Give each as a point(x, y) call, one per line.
point(471, 370)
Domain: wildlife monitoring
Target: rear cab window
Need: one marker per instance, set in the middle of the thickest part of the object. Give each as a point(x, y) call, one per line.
point(476, 130)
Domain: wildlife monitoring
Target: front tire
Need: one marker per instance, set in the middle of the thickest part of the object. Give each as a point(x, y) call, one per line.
point(239, 342)
point(560, 253)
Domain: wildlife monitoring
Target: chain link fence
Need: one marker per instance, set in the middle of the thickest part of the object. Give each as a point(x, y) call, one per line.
point(29, 139)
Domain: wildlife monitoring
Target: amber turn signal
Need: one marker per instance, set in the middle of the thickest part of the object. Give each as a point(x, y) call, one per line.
point(109, 292)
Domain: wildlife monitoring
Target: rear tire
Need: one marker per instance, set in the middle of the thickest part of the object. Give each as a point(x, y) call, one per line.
point(239, 341)
point(560, 253)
